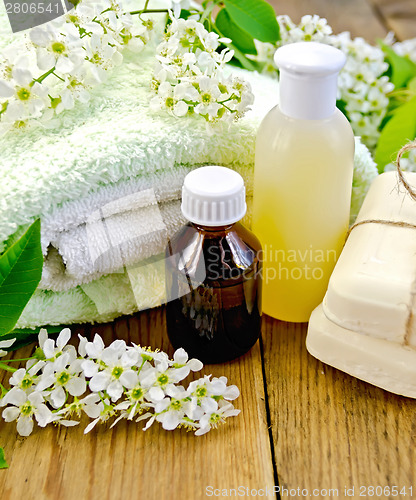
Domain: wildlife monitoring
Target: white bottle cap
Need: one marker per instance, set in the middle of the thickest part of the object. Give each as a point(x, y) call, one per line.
point(308, 79)
point(213, 196)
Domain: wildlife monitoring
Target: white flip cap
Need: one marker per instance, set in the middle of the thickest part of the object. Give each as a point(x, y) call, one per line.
point(213, 196)
point(308, 79)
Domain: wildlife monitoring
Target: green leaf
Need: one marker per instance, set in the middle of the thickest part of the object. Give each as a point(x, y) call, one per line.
point(3, 463)
point(412, 85)
point(241, 58)
point(245, 63)
point(402, 68)
point(20, 272)
point(399, 130)
point(255, 17)
point(240, 38)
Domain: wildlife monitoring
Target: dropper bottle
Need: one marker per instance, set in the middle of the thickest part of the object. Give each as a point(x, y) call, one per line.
point(213, 270)
point(302, 181)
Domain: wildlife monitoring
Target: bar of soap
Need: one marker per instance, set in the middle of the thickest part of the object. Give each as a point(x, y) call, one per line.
point(366, 325)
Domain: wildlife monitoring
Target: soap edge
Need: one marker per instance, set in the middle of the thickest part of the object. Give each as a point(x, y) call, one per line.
point(392, 366)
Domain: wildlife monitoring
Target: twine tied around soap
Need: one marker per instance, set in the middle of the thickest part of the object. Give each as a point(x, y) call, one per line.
point(405, 184)
point(412, 194)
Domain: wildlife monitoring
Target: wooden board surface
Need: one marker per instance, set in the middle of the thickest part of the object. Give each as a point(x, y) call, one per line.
point(356, 16)
point(371, 19)
point(127, 463)
point(330, 430)
point(398, 16)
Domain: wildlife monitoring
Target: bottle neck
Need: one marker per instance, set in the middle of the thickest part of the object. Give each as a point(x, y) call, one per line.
point(305, 98)
point(213, 229)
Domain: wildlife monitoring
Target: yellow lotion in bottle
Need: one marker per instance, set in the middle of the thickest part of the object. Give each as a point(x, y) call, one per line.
point(302, 181)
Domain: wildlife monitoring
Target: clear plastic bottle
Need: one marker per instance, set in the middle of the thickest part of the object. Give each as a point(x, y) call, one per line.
point(213, 270)
point(302, 183)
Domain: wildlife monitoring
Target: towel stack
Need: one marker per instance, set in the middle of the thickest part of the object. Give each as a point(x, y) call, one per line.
point(105, 179)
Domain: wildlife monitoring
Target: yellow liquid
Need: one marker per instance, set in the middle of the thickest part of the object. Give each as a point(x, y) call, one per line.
point(302, 195)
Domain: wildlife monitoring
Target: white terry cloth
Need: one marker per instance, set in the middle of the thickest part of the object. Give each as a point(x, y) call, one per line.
point(109, 242)
point(115, 226)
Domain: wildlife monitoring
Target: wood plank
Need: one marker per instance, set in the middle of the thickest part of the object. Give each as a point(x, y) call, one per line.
point(356, 16)
point(127, 463)
point(399, 16)
point(331, 430)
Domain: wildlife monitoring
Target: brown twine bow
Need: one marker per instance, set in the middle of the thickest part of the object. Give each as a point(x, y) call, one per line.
point(412, 194)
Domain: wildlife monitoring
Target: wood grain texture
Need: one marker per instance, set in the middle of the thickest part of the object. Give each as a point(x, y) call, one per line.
point(331, 430)
point(399, 16)
point(356, 16)
point(127, 463)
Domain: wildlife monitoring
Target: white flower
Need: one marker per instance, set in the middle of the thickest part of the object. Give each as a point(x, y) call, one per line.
point(82, 16)
point(65, 57)
point(216, 387)
point(171, 411)
point(406, 48)
point(52, 349)
point(178, 5)
point(148, 382)
point(89, 405)
point(265, 56)
point(114, 372)
point(24, 98)
point(106, 412)
point(215, 418)
point(181, 361)
point(168, 98)
point(209, 95)
point(4, 344)
point(159, 379)
point(64, 375)
point(23, 408)
point(60, 48)
point(101, 55)
point(188, 76)
point(136, 401)
point(26, 378)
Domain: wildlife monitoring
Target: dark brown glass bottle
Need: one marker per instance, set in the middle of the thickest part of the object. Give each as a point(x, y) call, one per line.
point(213, 280)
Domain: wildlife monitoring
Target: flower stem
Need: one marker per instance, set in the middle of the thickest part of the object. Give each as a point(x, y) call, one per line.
point(14, 360)
point(57, 76)
point(7, 368)
point(42, 77)
point(148, 11)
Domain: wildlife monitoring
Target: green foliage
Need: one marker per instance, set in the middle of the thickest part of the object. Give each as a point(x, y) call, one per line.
point(3, 463)
point(20, 272)
point(256, 17)
point(240, 38)
point(402, 69)
point(399, 130)
point(412, 85)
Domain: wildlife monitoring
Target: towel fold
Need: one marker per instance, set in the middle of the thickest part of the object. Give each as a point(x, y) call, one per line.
point(114, 226)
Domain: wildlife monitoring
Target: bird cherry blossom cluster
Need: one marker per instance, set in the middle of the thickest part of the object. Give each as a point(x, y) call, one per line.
point(363, 87)
point(60, 383)
point(189, 75)
point(406, 48)
point(59, 61)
